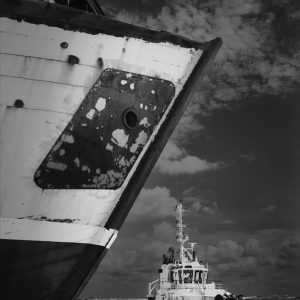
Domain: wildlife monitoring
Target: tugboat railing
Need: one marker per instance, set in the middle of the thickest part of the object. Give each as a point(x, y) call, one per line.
point(152, 286)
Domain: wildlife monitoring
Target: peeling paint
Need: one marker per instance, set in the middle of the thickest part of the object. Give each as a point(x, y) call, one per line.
point(141, 105)
point(140, 141)
point(123, 162)
point(144, 122)
point(86, 168)
point(101, 103)
point(90, 114)
point(67, 138)
point(128, 75)
point(56, 165)
point(132, 86)
point(152, 92)
point(62, 152)
point(119, 137)
point(44, 218)
point(77, 162)
point(114, 176)
point(109, 147)
point(123, 82)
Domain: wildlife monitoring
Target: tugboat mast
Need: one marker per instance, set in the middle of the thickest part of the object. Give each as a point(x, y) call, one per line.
point(184, 255)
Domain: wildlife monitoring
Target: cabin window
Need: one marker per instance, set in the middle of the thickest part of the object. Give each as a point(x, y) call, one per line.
point(175, 276)
point(172, 276)
point(188, 276)
point(180, 276)
point(198, 276)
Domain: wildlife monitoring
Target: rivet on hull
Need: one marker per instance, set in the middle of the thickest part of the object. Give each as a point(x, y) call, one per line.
point(18, 103)
point(73, 60)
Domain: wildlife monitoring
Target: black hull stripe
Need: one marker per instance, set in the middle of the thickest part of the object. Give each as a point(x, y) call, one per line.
point(46, 270)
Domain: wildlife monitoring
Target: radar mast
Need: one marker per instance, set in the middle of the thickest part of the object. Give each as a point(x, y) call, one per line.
point(185, 254)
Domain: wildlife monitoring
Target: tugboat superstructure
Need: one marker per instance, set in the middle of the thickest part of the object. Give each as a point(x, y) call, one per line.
point(184, 277)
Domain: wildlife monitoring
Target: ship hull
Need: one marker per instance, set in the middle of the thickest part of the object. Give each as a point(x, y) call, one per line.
point(86, 106)
point(45, 270)
point(193, 294)
point(186, 297)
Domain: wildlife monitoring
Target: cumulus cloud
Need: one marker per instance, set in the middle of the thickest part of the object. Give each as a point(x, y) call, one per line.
point(202, 206)
point(174, 161)
point(252, 60)
point(269, 209)
point(154, 203)
point(252, 247)
point(189, 126)
point(225, 251)
point(164, 230)
point(289, 253)
point(233, 259)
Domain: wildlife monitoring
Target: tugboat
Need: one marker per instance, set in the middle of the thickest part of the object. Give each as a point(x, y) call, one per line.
point(87, 104)
point(184, 277)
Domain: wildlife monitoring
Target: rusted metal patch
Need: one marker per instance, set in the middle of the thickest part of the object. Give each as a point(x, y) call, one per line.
point(101, 143)
point(44, 218)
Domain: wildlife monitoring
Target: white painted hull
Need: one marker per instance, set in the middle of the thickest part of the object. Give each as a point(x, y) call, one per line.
point(34, 69)
point(190, 294)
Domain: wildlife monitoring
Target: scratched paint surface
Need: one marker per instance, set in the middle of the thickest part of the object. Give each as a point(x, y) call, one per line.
point(107, 133)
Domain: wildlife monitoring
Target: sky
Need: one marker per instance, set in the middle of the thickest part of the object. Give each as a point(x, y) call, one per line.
point(235, 154)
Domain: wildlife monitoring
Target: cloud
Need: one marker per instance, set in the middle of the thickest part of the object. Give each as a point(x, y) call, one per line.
point(289, 253)
point(174, 161)
point(204, 207)
point(228, 222)
point(164, 230)
point(198, 204)
point(225, 251)
point(154, 203)
point(252, 247)
point(189, 126)
point(269, 209)
point(253, 59)
point(247, 157)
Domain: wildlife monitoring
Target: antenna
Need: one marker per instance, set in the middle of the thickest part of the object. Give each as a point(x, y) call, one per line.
point(177, 188)
point(181, 236)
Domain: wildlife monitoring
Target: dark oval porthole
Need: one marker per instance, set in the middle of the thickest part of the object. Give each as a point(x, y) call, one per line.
point(64, 45)
point(19, 103)
point(130, 118)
